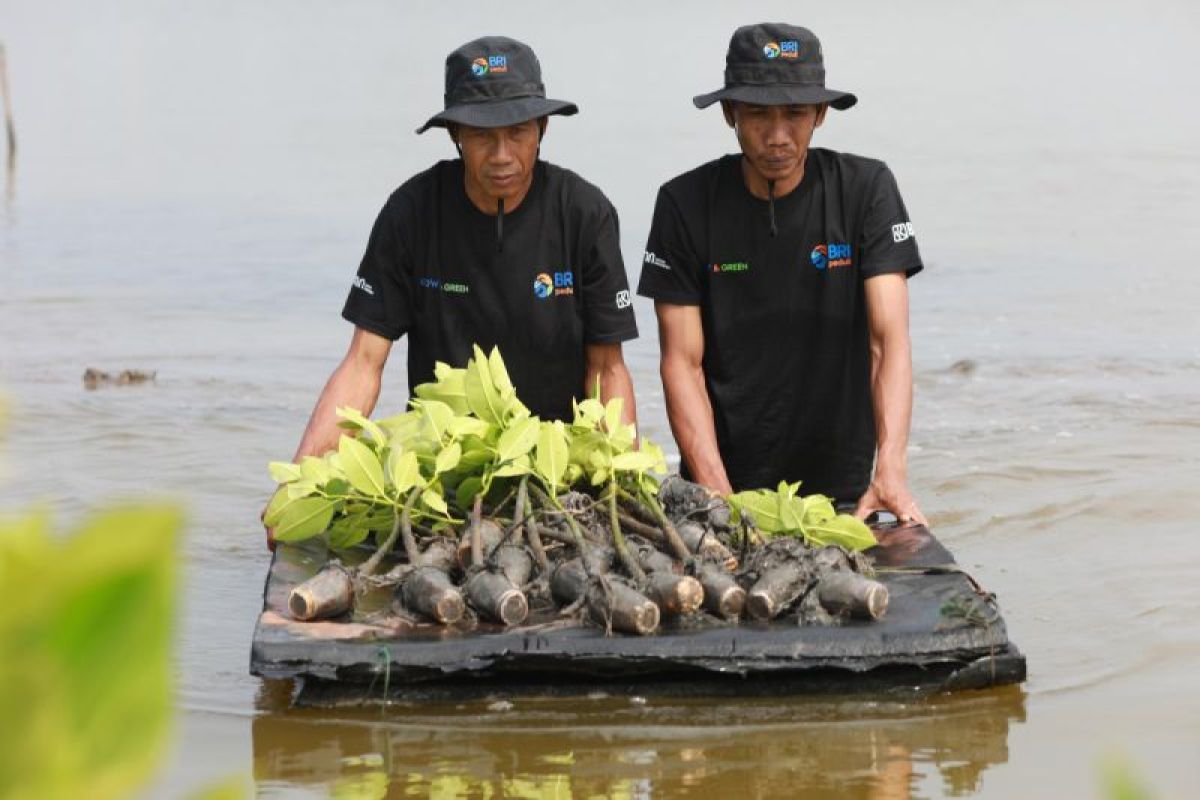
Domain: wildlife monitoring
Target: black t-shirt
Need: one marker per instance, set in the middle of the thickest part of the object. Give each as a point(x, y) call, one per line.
point(786, 350)
point(438, 269)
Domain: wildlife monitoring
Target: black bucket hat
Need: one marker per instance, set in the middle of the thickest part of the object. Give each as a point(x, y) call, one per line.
point(773, 64)
point(493, 82)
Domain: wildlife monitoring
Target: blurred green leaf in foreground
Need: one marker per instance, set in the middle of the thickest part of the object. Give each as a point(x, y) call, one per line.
point(85, 642)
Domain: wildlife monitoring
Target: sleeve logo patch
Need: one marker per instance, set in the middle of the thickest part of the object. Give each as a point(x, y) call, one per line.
point(654, 260)
point(359, 283)
point(624, 300)
point(903, 231)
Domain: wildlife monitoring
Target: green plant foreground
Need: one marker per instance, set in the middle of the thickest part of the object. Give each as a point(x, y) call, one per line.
point(85, 644)
point(468, 436)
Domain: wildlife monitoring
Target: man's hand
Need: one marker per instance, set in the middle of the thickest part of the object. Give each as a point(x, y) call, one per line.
point(890, 493)
point(681, 338)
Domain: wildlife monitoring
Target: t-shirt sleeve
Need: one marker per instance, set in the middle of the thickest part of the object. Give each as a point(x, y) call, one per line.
point(889, 243)
point(380, 298)
point(670, 266)
point(607, 306)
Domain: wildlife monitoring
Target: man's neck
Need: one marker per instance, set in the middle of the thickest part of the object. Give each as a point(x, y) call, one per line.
point(757, 184)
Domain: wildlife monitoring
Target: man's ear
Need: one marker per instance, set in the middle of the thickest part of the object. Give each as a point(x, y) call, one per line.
point(727, 110)
point(821, 114)
point(452, 130)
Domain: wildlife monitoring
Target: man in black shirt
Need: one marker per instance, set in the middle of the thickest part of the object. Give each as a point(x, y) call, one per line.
point(496, 248)
point(779, 279)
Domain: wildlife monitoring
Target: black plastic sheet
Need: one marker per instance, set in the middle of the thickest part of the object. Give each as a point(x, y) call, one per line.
point(941, 632)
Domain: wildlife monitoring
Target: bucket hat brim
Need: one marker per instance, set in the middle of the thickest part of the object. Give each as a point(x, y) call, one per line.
point(778, 95)
point(499, 113)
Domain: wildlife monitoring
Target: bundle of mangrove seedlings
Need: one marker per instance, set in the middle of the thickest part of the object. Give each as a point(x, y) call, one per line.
point(481, 511)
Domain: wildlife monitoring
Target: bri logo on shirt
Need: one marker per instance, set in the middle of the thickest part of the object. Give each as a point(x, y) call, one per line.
point(831, 256)
point(359, 283)
point(561, 285)
point(494, 64)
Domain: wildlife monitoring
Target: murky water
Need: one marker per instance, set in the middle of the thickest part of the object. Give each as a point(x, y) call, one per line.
point(194, 188)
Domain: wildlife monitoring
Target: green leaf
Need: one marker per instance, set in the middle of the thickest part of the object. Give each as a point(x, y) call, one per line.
point(844, 529)
point(634, 461)
point(817, 509)
point(763, 504)
point(315, 470)
point(656, 452)
point(303, 519)
point(518, 466)
point(357, 420)
point(279, 501)
point(462, 427)
point(437, 419)
point(612, 414)
point(448, 458)
point(599, 459)
point(348, 532)
point(791, 513)
point(552, 454)
point(518, 439)
point(464, 495)
point(86, 635)
point(482, 397)
point(588, 413)
point(448, 389)
point(404, 428)
point(404, 471)
point(434, 500)
point(361, 467)
point(499, 373)
point(300, 488)
point(283, 471)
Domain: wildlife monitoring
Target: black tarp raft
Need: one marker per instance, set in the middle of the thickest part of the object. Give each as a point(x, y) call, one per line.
point(942, 632)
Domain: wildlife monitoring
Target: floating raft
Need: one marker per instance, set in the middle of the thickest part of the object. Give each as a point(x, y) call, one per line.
point(942, 632)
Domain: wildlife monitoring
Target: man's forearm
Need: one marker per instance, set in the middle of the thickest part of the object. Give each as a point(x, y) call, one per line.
point(615, 381)
point(352, 384)
point(891, 390)
point(691, 417)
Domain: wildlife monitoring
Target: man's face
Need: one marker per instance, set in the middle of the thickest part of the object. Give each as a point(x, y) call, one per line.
point(499, 161)
point(774, 139)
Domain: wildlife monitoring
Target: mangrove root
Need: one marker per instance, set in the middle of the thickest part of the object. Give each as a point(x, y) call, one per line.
point(624, 609)
point(494, 596)
point(722, 595)
point(429, 591)
point(851, 593)
point(703, 543)
point(776, 590)
point(328, 593)
point(675, 595)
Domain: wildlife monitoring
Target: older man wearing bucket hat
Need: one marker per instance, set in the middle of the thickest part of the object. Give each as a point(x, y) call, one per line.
point(495, 248)
point(779, 280)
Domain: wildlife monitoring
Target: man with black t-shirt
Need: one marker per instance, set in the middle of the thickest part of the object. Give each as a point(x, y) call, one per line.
point(779, 277)
point(496, 248)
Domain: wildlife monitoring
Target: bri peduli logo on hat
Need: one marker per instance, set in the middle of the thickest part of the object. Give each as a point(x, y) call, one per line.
point(835, 255)
point(491, 64)
point(787, 49)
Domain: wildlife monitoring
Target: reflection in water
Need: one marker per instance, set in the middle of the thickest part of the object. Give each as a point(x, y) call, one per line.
point(601, 746)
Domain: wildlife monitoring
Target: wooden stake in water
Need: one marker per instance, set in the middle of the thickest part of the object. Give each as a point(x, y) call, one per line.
point(9, 127)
